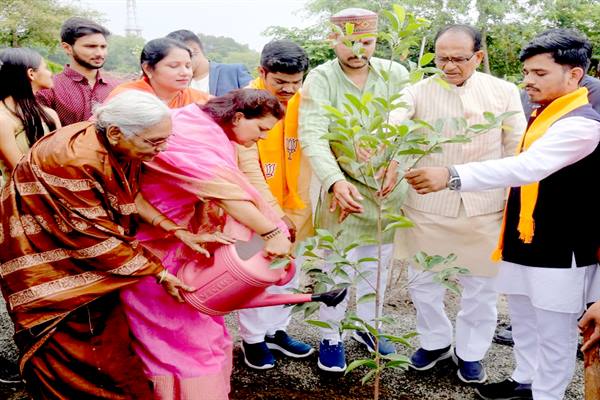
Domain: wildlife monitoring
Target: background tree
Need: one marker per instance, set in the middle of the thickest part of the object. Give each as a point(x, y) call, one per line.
point(226, 50)
point(506, 25)
point(35, 23)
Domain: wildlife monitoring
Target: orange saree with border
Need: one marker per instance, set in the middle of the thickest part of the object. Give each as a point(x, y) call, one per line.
point(67, 221)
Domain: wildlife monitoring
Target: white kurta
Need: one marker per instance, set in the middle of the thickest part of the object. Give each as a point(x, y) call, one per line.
point(566, 142)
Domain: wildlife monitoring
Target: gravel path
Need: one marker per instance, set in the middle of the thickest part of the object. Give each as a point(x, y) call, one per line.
point(301, 379)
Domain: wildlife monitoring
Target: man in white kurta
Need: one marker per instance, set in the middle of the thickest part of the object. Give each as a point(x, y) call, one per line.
point(466, 224)
point(550, 238)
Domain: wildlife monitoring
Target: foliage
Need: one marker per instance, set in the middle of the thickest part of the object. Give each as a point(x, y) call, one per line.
point(506, 25)
point(226, 50)
point(35, 23)
point(124, 53)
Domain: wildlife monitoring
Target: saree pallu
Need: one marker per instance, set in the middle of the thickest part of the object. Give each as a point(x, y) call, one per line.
point(187, 354)
point(66, 234)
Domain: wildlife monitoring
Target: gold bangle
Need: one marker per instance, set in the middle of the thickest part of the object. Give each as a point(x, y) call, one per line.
point(161, 276)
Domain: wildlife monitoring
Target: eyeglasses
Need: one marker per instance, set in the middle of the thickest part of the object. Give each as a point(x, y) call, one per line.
point(454, 60)
point(151, 142)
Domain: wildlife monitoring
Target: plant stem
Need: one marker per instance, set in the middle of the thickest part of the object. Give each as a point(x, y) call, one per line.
point(378, 299)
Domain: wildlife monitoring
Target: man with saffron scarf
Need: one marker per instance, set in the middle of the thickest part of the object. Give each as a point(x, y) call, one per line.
point(549, 239)
point(284, 182)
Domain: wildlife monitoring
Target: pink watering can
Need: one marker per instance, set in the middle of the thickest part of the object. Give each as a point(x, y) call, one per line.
point(239, 276)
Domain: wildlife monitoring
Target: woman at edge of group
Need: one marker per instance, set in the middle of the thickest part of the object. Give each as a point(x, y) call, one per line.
point(167, 71)
point(67, 225)
point(187, 354)
point(22, 119)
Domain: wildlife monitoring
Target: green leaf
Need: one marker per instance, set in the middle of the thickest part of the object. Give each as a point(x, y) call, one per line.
point(367, 362)
point(368, 376)
point(320, 324)
point(393, 19)
point(349, 27)
point(426, 59)
point(355, 102)
point(398, 339)
point(398, 364)
point(489, 116)
point(367, 259)
point(333, 110)
point(367, 298)
point(279, 263)
point(407, 223)
point(400, 12)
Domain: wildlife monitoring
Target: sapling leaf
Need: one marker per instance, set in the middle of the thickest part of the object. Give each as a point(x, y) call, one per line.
point(320, 324)
point(367, 298)
point(368, 376)
point(279, 263)
point(367, 362)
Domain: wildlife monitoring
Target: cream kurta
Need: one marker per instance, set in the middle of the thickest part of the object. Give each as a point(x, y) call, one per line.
point(464, 223)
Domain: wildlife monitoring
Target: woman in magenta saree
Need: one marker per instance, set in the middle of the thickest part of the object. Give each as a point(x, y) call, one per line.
point(187, 354)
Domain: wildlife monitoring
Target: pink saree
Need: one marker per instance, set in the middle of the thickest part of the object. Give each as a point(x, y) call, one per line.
point(187, 354)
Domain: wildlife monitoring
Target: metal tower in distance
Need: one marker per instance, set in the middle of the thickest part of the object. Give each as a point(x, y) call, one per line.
point(132, 28)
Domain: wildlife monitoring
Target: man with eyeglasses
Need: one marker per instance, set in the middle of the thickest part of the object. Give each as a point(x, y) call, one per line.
point(209, 76)
point(466, 224)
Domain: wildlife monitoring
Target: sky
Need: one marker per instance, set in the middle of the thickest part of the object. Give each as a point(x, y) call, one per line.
point(242, 20)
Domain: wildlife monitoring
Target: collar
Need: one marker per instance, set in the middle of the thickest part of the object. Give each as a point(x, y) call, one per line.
point(468, 84)
point(77, 77)
point(372, 70)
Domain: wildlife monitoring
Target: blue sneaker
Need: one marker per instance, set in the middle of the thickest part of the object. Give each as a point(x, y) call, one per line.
point(258, 355)
point(282, 342)
point(331, 356)
point(469, 371)
point(423, 359)
point(385, 346)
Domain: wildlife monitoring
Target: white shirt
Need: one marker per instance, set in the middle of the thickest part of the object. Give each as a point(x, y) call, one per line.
point(200, 84)
point(566, 142)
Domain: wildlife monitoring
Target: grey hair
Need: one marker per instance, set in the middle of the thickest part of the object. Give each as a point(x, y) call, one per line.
point(131, 111)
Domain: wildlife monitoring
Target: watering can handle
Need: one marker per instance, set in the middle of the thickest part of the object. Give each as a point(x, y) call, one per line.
point(290, 273)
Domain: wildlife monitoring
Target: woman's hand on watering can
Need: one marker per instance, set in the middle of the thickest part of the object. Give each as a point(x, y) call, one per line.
point(278, 245)
point(196, 241)
point(172, 285)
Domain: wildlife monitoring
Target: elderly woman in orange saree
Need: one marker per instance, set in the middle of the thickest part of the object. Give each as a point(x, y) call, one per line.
point(167, 71)
point(68, 246)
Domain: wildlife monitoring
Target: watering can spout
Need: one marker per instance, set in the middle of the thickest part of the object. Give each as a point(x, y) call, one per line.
point(331, 299)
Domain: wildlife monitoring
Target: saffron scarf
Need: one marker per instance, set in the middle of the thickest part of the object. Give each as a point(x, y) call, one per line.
point(280, 154)
point(529, 193)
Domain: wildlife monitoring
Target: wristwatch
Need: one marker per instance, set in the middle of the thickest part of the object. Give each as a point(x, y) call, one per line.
point(453, 179)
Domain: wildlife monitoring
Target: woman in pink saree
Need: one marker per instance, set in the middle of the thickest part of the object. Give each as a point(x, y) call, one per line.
point(187, 354)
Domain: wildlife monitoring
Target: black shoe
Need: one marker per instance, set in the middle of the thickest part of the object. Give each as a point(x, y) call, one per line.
point(9, 372)
point(505, 390)
point(504, 336)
